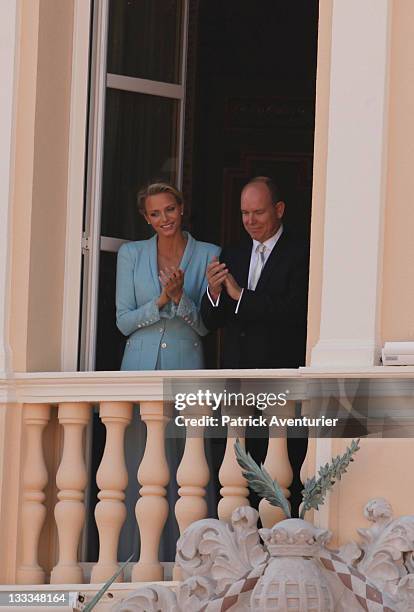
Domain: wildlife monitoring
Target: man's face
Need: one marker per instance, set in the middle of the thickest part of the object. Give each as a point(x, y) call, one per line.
point(261, 217)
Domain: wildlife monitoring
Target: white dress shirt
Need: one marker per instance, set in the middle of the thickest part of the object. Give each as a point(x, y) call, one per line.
point(270, 244)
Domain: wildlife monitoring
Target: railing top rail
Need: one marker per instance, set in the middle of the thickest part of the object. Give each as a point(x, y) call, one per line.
point(54, 387)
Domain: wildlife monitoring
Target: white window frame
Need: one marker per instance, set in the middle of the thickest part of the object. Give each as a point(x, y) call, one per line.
point(76, 180)
point(91, 243)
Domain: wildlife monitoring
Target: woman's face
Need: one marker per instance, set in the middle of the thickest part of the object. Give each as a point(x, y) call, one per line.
point(164, 213)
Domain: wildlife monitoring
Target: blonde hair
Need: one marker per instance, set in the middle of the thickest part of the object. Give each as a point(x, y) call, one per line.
point(155, 189)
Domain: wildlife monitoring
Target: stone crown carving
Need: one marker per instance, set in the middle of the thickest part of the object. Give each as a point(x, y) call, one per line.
point(227, 567)
point(294, 537)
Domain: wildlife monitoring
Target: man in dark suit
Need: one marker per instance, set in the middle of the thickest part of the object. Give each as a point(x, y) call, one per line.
point(258, 293)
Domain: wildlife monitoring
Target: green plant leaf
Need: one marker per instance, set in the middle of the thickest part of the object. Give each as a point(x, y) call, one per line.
point(105, 587)
point(314, 490)
point(259, 479)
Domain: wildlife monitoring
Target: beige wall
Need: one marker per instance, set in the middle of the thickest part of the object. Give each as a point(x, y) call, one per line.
point(319, 173)
point(380, 467)
point(398, 285)
point(50, 185)
point(23, 179)
point(10, 482)
point(397, 302)
point(379, 470)
point(41, 183)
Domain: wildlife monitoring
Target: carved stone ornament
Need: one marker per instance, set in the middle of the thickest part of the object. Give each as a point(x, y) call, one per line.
point(227, 567)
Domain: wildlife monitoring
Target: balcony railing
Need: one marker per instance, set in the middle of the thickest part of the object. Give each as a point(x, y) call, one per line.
point(70, 398)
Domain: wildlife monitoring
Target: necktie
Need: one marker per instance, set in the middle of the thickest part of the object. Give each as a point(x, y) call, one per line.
point(260, 262)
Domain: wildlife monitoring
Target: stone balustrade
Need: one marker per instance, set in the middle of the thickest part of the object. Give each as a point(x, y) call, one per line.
point(153, 476)
point(71, 399)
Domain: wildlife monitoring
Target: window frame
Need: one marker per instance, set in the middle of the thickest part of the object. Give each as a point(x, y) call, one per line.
point(92, 240)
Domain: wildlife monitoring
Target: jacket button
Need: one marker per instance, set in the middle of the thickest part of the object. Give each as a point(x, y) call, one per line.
point(195, 343)
point(242, 334)
point(164, 345)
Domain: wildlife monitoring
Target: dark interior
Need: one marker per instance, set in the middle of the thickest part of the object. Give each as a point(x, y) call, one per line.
point(253, 110)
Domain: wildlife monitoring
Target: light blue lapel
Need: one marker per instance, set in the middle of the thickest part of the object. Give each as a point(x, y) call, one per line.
point(152, 245)
point(188, 251)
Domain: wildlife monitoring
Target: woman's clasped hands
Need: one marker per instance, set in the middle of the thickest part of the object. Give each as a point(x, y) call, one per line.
point(172, 282)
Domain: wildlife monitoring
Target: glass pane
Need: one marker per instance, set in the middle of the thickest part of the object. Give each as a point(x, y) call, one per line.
point(144, 39)
point(140, 146)
point(110, 343)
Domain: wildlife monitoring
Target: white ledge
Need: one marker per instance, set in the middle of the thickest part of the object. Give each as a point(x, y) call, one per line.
point(54, 387)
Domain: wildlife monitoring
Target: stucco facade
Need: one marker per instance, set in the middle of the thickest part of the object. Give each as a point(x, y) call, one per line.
point(361, 258)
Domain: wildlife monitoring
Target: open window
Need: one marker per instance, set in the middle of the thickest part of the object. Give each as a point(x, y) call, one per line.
point(136, 134)
point(204, 94)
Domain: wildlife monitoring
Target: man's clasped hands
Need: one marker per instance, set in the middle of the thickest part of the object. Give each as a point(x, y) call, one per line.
point(218, 278)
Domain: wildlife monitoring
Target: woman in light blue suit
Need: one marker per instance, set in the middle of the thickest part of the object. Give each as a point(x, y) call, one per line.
point(160, 283)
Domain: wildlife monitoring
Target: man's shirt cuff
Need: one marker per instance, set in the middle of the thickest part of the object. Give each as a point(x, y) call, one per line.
point(212, 302)
point(238, 302)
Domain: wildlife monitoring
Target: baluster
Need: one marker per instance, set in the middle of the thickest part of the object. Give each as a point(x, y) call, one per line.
point(152, 507)
point(278, 465)
point(71, 480)
point(112, 480)
point(35, 478)
point(234, 489)
point(306, 471)
point(192, 475)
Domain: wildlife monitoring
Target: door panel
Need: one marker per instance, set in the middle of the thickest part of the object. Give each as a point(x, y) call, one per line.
point(136, 133)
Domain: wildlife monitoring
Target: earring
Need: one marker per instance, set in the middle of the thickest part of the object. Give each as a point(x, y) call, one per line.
point(182, 212)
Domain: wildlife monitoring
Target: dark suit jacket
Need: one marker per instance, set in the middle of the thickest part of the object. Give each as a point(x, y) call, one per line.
point(269, 330)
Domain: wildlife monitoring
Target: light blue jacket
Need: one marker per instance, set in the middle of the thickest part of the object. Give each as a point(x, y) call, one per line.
point(166, 339)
